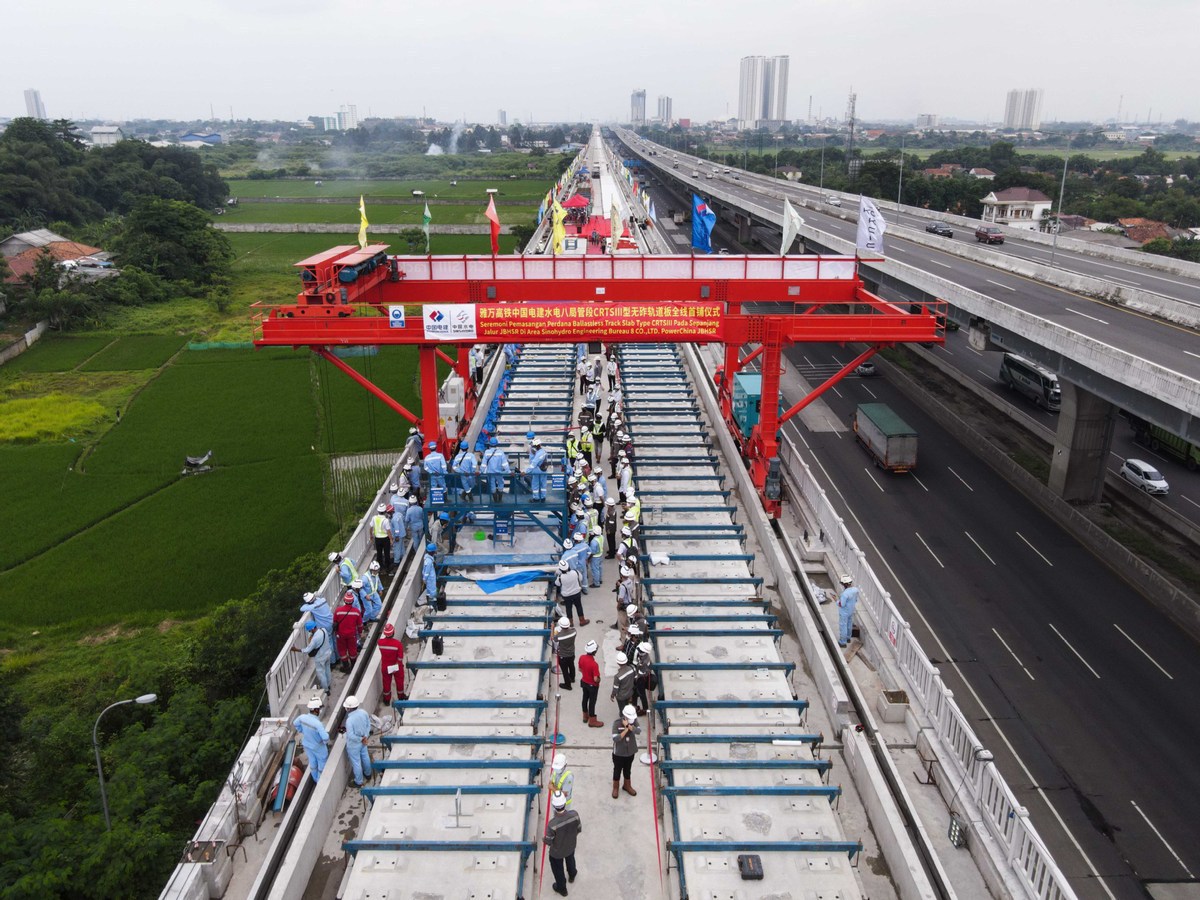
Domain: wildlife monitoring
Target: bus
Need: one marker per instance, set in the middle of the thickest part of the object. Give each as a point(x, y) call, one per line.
point(1035, 382)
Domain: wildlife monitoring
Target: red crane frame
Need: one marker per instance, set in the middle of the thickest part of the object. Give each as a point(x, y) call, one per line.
point(354, 296)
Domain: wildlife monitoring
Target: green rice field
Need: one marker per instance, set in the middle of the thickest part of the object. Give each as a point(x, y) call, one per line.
point(275, 253)
point(56, 353)
point(392, 214)
point(134, 351)
point(512, 188)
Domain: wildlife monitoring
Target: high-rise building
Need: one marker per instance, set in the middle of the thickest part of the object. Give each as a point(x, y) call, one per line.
point(637, 107)
point(33, 104)
point(927, 120)
point(502, 118)
point(347, 117)
point(1023, 111)
point(762, 91)
point(664, 110)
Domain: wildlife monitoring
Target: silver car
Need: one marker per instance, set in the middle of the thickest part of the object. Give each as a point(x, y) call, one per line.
point(1143, 475)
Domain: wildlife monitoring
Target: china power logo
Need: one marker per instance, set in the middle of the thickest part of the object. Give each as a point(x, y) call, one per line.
point(436, 316)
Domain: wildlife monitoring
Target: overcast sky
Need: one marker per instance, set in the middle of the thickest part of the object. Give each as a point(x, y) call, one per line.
point(553, 60)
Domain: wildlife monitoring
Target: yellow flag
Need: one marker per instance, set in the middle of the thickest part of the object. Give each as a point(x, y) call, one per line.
point(558, 231)
point(362, 223)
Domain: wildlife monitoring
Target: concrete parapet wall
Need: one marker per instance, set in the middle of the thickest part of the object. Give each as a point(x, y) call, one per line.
point(334, 228)
point(27, 340)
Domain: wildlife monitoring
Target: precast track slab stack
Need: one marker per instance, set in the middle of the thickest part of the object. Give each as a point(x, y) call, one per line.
point(740, 772)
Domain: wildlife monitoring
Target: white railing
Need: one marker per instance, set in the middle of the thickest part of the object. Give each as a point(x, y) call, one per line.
point(955, 742)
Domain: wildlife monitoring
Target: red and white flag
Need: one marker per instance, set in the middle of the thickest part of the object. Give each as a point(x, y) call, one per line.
point(495, 220)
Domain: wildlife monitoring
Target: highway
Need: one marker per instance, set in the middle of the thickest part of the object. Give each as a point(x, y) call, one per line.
point(1082, 689)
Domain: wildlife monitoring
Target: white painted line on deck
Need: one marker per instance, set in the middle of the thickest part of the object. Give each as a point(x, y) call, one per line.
point(835, 390)
point(983, 373)
point(1163, 839)
point(980, 549)
point(1145, 274)
point(918, 481)
point(960, 478)
point(998, 284)
point(1189, 500)
point(942, 264)
point(1143, 652)
point(1109, 277)
point(869, 391)
point(946, 351)
point(1014, 656)
point(873, 481)
point(926, 546)
point(1073, 650)
point(1034, 549)
point(1190, 353)
point(1085, 315)
point(973, 350)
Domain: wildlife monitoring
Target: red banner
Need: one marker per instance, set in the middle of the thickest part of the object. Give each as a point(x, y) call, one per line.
point(559, 322)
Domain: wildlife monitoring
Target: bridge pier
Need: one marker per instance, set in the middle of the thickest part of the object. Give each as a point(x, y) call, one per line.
point(1081, 445)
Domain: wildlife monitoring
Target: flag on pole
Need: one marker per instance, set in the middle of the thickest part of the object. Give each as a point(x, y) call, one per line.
point(791, 226)
point(558, 231)
point(614, 219)
point(425, 220)
point(703, 220)
point(495, 220)
point(871, 226)
point(653, 215)
point(362, 223)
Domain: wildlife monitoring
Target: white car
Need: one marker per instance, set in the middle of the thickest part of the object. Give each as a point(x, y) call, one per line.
point(1143, 475)
point(833, 201)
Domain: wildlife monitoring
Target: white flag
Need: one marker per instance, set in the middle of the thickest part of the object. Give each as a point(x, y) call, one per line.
point(791, 226)
point(871, 226)
point(614, 218)
point(652, 213)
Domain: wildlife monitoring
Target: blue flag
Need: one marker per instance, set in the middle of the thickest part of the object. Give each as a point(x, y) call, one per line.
point(703, 220)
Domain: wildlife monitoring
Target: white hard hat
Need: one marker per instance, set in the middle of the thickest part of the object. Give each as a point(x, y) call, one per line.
point(626, 571)
point(621, 658)
point(631, 609)
point(578, 536)
point(356, 583)
point(334, 556)
point(567, 545)
point(610, 501)
point(629, 713)
point(375, 567)
point(558, 800)
point(635, 630)
point(412, 498)
point(591, 647)
point(537, 442)
point(382, 507)
point(350, 702)
point(645, 647)
point(630, 515)
point(563, 565)
point(846, 579)
point(314, 702)
point(560, 762)
point(596, 530)
point(564, 622)
point(627, 531)
point(308, 596)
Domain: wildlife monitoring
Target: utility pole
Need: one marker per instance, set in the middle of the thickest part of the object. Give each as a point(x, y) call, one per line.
point(850, 119)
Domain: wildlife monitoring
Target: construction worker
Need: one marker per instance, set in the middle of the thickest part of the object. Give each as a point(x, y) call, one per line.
point(416, 440)
point(581, 370)
point(577, 556)
point(624, 476)
point(589, 683)
point(391, 664)
point(562, 835)
point(847, 601)
point(477, 360)
point(624, 734)
point(359, 595)
point(495, 464)
point(535, 469)
point(320, 648)
point(610, 527)
point(591, 401)
point(629, 648)
point(641, 677)
point(596, 555)
point(429, 572)
point(397, 499)
point(358, 731)
point(562, 779)
point(626, 551)
point(586, 444)
point(347, 625)
point(314, 737)
point(399, 530)
point(372, 594)
point(323, 616)
point(633, 504)
point(598, 485)
point(572, 447)
point(465, 466)
point(435, 468)
point(381, 531)
point(414, 520)
point(564, 641)
point(624, 601)
point(570, 590)
point(622, 689)
point(347, 571)
point(599, 432)
point(612, 373)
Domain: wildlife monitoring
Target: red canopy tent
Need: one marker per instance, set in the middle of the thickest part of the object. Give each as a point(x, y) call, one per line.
point(576, 201)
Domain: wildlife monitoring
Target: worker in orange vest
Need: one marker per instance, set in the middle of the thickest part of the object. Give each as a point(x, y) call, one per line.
point(391, 655)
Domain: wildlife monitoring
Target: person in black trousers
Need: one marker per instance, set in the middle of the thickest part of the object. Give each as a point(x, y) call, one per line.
point(562, 834)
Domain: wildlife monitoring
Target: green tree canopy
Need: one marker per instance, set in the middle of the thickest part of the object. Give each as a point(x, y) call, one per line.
point(174, 240)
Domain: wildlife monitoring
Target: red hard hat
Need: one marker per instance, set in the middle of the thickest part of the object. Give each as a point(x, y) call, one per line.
point(349, 595)
point(389, 630)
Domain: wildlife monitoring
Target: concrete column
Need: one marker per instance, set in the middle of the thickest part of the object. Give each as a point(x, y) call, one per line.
point(1085, 429)
point(743, 228)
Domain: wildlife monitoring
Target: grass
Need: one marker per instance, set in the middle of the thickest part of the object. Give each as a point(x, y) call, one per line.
point(275, 253)
point(394, 214)
point(135, 351)
point(511, 188)
point(57, 353)
point(48, 418)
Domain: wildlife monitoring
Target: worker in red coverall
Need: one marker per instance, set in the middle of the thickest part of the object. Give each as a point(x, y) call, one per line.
point(347, 623)
point(391, 656)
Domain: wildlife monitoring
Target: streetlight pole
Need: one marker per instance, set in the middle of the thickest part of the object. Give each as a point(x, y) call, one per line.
point(822, 187)
point(900, 186)
point(144, 698)
point(1061, 191)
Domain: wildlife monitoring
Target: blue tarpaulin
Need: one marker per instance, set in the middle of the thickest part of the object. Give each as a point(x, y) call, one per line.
point(504, 582)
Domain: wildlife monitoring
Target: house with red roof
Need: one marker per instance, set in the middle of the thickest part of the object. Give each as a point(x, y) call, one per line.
point(22, 250)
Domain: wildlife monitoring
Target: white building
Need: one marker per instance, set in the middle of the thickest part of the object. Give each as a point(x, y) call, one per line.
point(664, 110)
point(637, 107)
point(762, 91)
point(1023, 110)
point(33, 104)
point(502, 118)
point(927, 120)
point(1017, 207)
point(106, 135)
point(347, 117)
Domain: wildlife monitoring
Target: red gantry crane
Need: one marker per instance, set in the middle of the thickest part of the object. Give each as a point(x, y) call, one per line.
point(356, 296)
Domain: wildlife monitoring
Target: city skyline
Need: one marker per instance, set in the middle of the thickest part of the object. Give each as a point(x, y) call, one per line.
point(762, 90)
point(157, 67)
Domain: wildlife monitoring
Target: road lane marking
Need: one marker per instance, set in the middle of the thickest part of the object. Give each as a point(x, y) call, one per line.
point(947, 351)
point(960, 478)
point(1144, 274)
point(983, 373)
point(998, 284)
point(835, 390)
point(1085, 315)
point(1143, 652)
point(980, 549)
point(1163, 839)
point(973, 350)
point(1014, 656)
point(873, 481)
point(1109, 277)
point(1189, 500)
point(1190, 353)
point(869, 391)
point(931, 553)
point(1073, 650)
point(918, 481)
point(942, 264)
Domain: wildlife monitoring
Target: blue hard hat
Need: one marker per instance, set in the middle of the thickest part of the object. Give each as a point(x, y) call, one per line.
point(444, 516)
point(529, 435)
point(310, 626)
point(492, 442)
point(433, 445)
point(463, 445)
point(431, 547)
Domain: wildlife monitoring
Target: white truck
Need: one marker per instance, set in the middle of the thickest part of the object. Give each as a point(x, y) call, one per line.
point(886, 436)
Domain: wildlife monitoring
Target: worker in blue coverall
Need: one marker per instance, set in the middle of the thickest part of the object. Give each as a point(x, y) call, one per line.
point(495, 465)
point(596, 555)
point(320, 648)
point(846, 603)
point(399, 532)
point(358, 730)
point(429, 572)
point(323, 616)
point(536, 470)
point(465, 466)
point(347, 571)
point(414, 520)
point(372, 594)
point(314, 737)
point(435, 467)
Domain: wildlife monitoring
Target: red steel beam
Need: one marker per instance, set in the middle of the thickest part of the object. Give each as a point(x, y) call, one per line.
point(326, 353)
point(828, 383)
